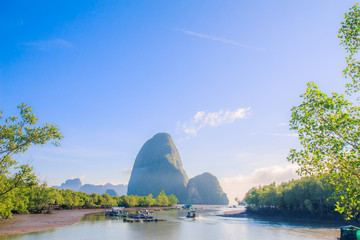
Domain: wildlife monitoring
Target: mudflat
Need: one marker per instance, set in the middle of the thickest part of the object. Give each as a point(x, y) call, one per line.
point(27, 223)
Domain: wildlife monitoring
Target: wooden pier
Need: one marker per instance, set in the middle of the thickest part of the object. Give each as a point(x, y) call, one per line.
point(139, 216)
point(132, 220)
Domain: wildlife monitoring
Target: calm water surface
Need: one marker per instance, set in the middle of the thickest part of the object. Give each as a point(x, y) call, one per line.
point(178, 227)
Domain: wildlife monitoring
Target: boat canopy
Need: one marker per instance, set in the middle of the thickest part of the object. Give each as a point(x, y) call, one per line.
point(350, 232)
point(117, 208)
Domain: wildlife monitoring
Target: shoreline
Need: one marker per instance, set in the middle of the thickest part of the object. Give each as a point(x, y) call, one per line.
point(29, 223)
point(287, 218)
point(151, 208)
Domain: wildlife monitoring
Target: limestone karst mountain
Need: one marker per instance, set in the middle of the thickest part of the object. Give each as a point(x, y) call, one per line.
point(158, 167)
point(206, 189)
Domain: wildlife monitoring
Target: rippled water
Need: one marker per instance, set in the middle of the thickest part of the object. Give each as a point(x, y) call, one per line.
point(178, 227)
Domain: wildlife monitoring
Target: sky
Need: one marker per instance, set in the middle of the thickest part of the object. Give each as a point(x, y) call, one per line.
point(220, 77)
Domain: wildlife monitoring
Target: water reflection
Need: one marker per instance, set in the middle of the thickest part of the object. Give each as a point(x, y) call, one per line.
point(94, 217)
point(30, 236)
point(178, 227)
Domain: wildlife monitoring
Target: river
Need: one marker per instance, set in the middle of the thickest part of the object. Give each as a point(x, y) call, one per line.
point(177, 227)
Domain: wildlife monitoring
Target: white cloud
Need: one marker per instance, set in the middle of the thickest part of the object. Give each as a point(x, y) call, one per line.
point(223, 40)
point(49, 44)
point(285, 134)
point(212, 119)
point(283, 124)
point(239, 185)
point(126, 171)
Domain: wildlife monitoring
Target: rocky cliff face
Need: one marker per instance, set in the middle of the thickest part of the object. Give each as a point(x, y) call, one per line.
point(158, 167)
point(205, 189)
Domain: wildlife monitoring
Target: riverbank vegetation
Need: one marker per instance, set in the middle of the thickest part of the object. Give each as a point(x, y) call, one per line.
point(308, 196)
point(42, 199)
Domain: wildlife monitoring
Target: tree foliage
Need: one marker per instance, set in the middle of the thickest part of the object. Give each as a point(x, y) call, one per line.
point(147, 201)
point(329, 127)
point(307, 195)
point(349, 34)
point(17, 134)
point(162, 199)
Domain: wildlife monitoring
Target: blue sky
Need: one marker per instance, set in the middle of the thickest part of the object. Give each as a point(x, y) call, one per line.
point(219, 76)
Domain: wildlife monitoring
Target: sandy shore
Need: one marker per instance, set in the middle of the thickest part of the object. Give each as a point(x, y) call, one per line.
point(27, 223)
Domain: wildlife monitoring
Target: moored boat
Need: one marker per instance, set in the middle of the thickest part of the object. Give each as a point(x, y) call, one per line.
point(187, 206)
point(114, 211)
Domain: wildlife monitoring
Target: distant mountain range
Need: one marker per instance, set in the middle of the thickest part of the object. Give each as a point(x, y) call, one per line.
point(76, 185)
point(158, 167)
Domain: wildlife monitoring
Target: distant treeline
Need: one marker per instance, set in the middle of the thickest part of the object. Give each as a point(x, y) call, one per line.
point(41, 198)
point(308, 195)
